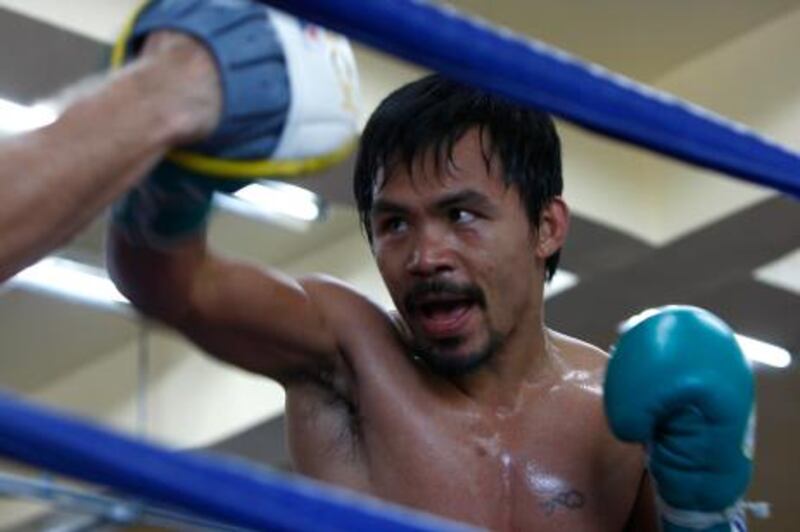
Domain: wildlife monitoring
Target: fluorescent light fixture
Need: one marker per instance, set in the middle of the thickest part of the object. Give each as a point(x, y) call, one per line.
point(561, 282)
point(783, 273)
point(71, 280)
point(763, 352)
point(289, 206)
point(282, 204)
point(16, 118)
point(282, 198)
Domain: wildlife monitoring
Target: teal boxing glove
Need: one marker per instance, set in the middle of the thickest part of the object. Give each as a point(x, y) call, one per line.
point(678, 382)
point(171, 204)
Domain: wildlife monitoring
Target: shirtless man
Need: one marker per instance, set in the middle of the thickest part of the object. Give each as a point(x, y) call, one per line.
point(463, 404)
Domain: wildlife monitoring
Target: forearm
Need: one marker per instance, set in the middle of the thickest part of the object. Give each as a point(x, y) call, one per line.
point(53, 180)
point(159, 282)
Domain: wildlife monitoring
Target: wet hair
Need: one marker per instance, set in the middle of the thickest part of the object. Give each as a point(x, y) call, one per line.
point(431, 115)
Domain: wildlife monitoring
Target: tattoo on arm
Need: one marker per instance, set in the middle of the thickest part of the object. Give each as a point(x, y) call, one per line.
point(569, 500)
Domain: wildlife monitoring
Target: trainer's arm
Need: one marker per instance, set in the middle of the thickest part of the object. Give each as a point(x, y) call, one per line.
point(56, 179)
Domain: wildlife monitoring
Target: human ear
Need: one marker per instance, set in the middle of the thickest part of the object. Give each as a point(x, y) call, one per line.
point(553, 227)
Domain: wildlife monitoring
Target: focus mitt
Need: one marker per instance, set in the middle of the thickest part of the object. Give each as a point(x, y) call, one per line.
point(290, 89)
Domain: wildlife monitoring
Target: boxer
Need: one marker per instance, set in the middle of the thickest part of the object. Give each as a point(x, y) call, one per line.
point(462, 402)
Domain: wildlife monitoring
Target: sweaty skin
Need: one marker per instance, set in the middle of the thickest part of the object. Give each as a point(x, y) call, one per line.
point(544, 462)
point(510, 435)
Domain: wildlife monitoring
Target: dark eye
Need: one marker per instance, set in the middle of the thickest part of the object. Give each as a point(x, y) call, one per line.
point(461, 216)
point(394, 224)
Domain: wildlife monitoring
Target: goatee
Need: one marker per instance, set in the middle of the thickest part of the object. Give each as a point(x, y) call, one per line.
point(439, 359)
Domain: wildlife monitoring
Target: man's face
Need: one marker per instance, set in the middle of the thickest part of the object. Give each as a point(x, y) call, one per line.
point(458, 255)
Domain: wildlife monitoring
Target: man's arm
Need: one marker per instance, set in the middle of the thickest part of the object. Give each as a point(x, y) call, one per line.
point(256, 319)
point(56, 179)
point(251, 317)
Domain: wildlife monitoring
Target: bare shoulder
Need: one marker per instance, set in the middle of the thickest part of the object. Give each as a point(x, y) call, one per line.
point(585, 366)
point(580, 369)
point(619, 465)
point(579, 355)
point(582, 372)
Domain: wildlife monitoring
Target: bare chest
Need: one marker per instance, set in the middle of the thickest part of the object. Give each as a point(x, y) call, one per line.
point(530, 471)
point(509, 478)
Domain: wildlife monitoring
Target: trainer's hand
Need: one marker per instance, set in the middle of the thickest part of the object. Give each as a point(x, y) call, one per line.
point(679, 383)
point(189, 84)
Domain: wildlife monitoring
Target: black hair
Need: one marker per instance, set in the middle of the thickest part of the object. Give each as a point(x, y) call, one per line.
point(432, 114)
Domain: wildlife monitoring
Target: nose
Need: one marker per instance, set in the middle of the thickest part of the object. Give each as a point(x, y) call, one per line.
point(431, 254)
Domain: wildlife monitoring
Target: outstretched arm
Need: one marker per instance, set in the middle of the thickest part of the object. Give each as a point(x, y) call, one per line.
point(56, 179)
point(284, 102)
point(257, 319)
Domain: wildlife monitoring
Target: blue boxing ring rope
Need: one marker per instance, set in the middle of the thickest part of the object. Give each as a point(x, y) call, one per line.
point(534, 74)
point(526, 71)
point(228, 491)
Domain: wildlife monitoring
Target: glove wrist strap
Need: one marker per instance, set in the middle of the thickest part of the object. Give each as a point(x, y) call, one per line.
point(163, 210)
point(733, 517)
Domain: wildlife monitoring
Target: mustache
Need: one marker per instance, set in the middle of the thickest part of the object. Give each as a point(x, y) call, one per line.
point(443, 287)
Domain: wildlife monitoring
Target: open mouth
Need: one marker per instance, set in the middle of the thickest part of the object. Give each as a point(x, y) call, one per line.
point(443, 309)
point(445, 317)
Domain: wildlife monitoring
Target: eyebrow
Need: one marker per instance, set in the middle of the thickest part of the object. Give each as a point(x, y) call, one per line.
point(461, 197)
point(383, 206)
point(466, 197)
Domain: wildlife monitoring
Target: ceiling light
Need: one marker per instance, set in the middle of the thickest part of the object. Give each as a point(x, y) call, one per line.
point(783, 273)
point(281, 203)
point(282, 198)
point(763, 352)
point(16, 118)
point(71, 280)
point(561, 282)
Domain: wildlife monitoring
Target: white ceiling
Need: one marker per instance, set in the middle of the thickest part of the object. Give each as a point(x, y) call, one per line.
point(44, 338)
point(783, 273)
point(641, 39)
point(100, 20)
